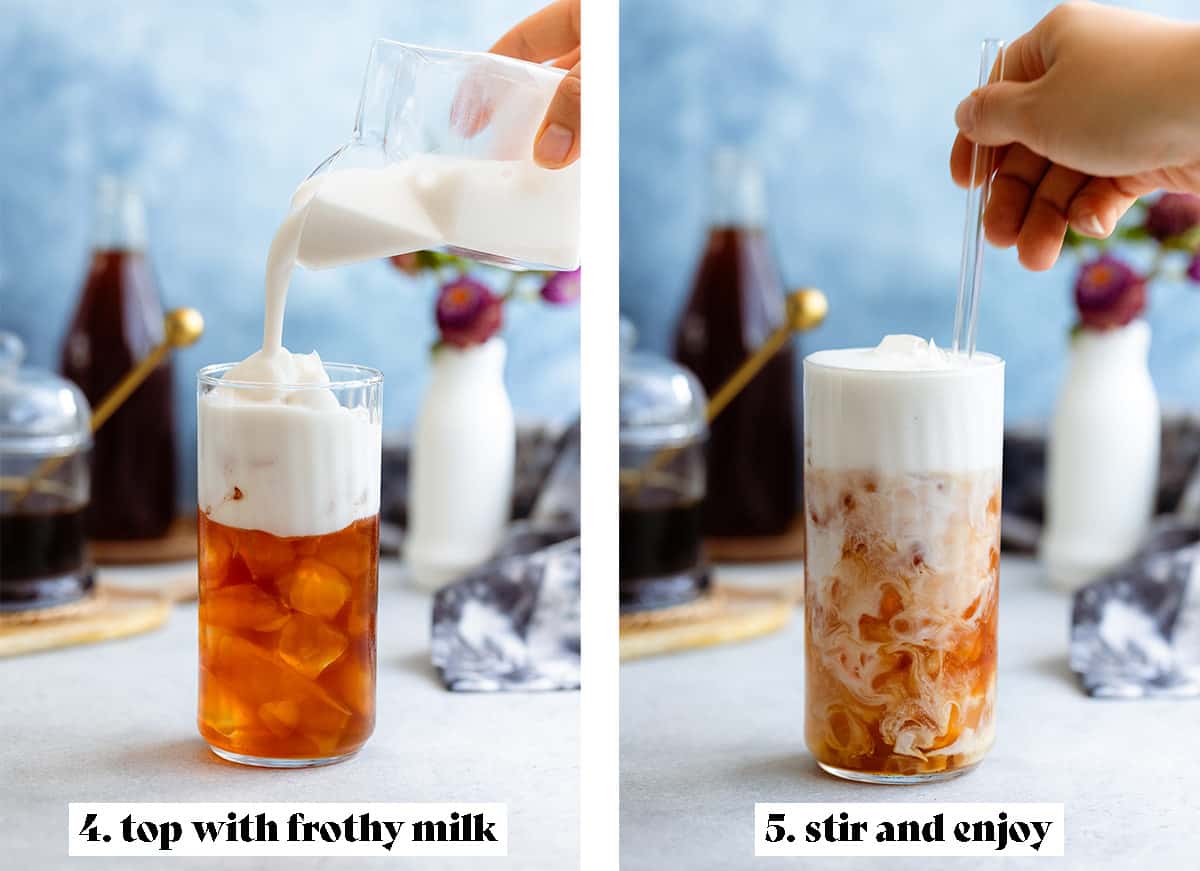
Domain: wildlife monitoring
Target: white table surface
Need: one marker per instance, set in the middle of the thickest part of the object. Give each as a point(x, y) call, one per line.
point(116, 722)
point(706, 734)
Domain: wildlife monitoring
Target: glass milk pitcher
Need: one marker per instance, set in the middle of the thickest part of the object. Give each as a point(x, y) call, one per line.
point(442, 158)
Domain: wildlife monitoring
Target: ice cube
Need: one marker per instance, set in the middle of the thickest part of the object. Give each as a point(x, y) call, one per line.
point(210, 641)
point(261, 678)
point(890, 604)
point(244, 606)
point(360, 616)
point(270, 688)
point(220, 708)
point(266, 555)
point(348, 552)
point(315, 588)
point(846, 732)
point(352, 681)
point(215, 552)
point(237, 572)
point(280, 717)
point(310, 645)
point(969, 647)
point(323, 724)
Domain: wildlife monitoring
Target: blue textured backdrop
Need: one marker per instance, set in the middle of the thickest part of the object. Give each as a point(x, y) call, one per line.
point(849, 107)
point(219, 110)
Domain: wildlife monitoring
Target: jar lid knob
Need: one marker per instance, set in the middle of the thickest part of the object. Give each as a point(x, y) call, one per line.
point(12, 354)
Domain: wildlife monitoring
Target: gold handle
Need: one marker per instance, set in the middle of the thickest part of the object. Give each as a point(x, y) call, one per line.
point(806, 310)
point(181, 327)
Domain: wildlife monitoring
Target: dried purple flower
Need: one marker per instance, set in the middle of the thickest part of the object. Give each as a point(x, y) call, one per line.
point(561, 288)
point(1193, 270)
point(1172, 215)
point(1109, 293)
point(467, 312)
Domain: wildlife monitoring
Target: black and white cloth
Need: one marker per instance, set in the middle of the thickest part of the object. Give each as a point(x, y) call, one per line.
point(1135, 633)
point(513, 624)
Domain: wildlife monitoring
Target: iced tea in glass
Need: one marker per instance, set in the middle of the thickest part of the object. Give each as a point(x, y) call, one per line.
point(289, 543)
point(902, 504)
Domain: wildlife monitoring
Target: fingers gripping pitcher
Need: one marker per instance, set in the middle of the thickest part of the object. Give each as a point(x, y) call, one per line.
point(902, 502)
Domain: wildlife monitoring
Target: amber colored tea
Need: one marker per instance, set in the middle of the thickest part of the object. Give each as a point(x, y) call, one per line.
point(900, 620)
point(287, 641)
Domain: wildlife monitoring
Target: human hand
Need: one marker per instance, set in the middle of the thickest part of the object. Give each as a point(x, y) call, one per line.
point(1098, 106)
point(553, 34)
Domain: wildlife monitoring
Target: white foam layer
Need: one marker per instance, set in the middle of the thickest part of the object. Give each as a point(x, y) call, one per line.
point(284, 459)
point(903, 353)
point(904, 406)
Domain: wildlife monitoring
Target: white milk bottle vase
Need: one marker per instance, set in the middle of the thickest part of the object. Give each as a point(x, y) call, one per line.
point(1102, 456)
point(461, 466)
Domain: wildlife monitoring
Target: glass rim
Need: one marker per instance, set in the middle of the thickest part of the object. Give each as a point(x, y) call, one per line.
point(433, 54)
point(981, 362)
point(368, 377)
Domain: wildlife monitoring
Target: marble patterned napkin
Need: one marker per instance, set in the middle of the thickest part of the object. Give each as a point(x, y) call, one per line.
point(513, 624)
point(1136, 632)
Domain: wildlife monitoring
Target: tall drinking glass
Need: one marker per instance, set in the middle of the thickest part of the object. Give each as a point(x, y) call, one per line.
point(289, 544)
point(902, 503)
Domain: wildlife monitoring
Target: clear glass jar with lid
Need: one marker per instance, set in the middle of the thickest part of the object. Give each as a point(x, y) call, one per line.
point(662, 450)
point(45, 438)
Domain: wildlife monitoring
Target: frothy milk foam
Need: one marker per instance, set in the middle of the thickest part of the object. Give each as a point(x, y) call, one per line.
point(292, 461)
point(286, 461)
point(904, 406)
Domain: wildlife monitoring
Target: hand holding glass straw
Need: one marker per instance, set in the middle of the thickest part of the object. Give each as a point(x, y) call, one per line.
point(1099, 106)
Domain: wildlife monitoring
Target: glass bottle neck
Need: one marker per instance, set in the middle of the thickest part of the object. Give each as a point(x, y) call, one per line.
point(737, 194)
point(119, 220)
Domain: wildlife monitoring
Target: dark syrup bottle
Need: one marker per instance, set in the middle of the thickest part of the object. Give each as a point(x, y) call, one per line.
point(118, 321)
point(737, 299)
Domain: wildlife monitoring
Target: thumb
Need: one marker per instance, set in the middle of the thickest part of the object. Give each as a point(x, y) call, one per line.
point(997, 114)
point(557, 143)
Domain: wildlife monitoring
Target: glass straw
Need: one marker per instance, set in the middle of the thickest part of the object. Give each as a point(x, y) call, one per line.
point(966, 310)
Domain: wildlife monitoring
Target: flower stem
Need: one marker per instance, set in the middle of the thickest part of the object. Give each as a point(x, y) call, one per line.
point(1156, 265)
point(510, 289)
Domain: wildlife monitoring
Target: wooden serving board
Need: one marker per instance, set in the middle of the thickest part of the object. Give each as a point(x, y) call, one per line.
point(727, 613)
point(178, 544)
point(108, 612)
point(788, 545)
